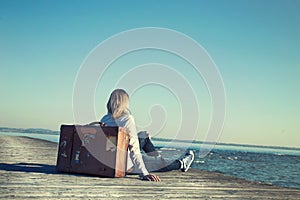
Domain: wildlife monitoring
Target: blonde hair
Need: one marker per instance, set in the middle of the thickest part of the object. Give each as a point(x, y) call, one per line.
point(118, 103)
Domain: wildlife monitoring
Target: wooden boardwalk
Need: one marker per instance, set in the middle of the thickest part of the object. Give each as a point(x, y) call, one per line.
point(27, 171)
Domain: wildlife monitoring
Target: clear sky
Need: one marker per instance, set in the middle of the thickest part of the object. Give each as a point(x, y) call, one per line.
point(255, 45)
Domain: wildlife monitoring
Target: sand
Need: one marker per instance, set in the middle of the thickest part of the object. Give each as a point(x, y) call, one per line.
point(27, 171)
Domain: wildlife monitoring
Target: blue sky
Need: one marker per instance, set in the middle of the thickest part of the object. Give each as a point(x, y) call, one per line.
point(255, 45)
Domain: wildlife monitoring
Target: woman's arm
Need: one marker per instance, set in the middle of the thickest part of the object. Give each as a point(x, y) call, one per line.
point(134, 147)
point(135, 152)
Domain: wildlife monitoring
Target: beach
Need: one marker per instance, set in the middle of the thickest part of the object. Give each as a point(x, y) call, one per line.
point(27, 171)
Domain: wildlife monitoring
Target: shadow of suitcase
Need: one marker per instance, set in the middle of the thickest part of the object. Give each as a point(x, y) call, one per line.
point(93, 150)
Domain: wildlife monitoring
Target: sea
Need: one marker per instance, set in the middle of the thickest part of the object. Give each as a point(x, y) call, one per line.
point(273, 165)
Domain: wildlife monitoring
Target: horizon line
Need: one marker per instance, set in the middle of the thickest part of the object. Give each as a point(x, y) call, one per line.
point(52, 132)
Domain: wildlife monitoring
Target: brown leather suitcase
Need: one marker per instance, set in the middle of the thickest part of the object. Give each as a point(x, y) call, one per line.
point(93, 150)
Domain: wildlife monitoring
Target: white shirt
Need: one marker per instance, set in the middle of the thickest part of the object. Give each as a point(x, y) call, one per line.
point(127, 121)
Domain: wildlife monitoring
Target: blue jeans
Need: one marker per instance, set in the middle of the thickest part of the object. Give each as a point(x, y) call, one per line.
point(153, 161)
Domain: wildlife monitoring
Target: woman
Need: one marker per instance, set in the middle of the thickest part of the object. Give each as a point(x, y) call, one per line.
point(119, 115)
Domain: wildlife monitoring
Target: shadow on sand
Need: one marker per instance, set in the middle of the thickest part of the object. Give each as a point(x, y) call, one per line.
point(29, 167)
point(37, 168)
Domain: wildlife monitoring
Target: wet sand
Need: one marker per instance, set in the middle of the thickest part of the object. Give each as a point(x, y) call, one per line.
point(27, 171)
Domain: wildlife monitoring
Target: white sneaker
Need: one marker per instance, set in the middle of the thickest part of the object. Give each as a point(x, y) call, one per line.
point(187, 160)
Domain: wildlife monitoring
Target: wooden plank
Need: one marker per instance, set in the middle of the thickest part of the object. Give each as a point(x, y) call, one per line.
point(27, 171)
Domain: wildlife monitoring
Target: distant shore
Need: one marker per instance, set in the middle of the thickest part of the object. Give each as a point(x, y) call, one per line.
point(29, 130)
point(27, 170)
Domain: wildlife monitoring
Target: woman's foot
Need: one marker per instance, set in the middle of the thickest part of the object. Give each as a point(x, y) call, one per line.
point(187, 160)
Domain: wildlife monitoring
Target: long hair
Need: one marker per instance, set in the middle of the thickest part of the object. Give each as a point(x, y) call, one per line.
point(118, 103)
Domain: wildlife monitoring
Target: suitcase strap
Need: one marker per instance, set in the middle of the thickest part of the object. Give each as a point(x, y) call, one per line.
point(96, 123)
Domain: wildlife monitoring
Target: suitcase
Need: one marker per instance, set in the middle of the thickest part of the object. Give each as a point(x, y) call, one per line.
point(93, 150)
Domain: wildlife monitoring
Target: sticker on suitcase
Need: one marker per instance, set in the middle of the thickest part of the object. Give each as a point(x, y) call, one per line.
point(111, 143)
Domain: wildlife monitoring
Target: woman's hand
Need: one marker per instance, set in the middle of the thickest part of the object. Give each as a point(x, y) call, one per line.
point(151, 177)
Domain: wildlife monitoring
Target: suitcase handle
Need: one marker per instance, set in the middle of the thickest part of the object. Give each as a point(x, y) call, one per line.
point(96, 123)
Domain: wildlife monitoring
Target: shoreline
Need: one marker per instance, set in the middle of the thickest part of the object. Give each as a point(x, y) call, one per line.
point(27, 163)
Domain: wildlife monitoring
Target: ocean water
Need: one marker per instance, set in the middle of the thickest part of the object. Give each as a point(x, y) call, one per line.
point(274, 165)
point(277, 166)
point(278, 169)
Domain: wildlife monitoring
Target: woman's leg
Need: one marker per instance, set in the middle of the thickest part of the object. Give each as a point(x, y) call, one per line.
point(157, 163)
point(175, 165)
point(146, 144)
point(183, 164)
